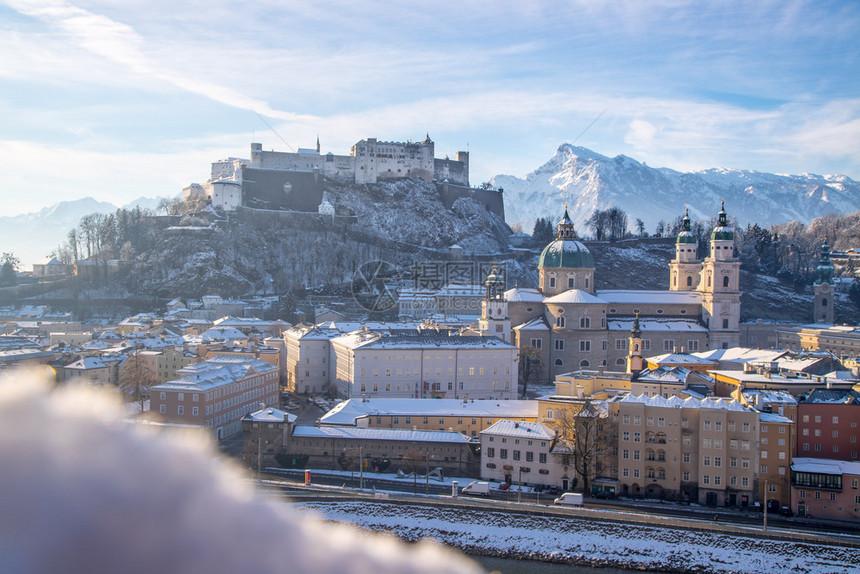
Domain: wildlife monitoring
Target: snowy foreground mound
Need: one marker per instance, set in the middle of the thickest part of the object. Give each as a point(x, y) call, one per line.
point(591, 542)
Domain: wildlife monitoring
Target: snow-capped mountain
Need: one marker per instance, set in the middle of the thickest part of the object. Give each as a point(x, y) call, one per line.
point(588, 181)
point(31, 236)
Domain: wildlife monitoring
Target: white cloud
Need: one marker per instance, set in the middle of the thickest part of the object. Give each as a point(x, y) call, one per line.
point(641, 134)
point(84, 491)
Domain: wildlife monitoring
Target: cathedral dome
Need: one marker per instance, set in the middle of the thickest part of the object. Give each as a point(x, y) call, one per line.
point(565, 251)
point(722, 232)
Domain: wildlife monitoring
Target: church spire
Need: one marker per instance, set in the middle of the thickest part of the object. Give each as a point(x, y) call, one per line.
point(565, 226)
point(318, 143)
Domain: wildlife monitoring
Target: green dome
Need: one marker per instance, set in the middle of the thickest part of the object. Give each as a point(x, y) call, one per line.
point(566, 253)
point(686, 237)
point(722, 232)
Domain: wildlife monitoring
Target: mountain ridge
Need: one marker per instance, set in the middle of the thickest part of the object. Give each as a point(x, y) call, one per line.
point(588, 181)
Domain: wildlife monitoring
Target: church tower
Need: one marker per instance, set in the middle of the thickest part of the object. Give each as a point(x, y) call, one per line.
point(635, 362)
point(822, 306)
point(719, 286)
point(494, 320)
point(685, 269)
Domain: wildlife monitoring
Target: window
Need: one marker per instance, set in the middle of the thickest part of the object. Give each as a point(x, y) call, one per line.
point(625, 454)
point(636, 455)
point(559, 322)
point(503, 453)
point(542, 458)
point(163, 396)
point(181, 397)
point(668, 344)
point(559, 344)
point(625, 472)
point(635, 473)
point(585, 345)
point(625, 435)
point(649, 420)
point(686, 476)
point(686, 457)
point(516, 455)
point(637, 420)
point(836, 420)
point(162, 409)
point(584, 323)
point(537, 343)
point(706, 461)
point(180, 410)
point(745, 481)
point(637, 437)
point(707, 425)
point(195, 411)
point(626, 419)
point(620, 345)
point(530, 456)
point(692, 346)
point(570, 283)
point(706, 479)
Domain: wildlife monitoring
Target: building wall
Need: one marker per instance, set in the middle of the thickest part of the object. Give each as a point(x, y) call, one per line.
point(821, 502)
point(776, 445)
point(463, 424)
point(456, 459)
point(828, 430)
point(219, 409)
point(519, 461)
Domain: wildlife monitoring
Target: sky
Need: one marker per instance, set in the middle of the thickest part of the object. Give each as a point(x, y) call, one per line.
point(119, 100)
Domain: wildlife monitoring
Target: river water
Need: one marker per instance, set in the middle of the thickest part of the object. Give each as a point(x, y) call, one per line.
point(509, 566)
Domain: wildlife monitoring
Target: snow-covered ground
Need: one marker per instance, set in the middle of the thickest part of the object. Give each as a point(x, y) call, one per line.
point(591, 542)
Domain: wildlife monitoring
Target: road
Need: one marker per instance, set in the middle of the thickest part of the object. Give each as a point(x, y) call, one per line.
point(400, 491)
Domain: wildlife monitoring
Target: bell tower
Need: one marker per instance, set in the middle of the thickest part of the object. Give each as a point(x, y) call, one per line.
point(719, 286)
point(822, 305)
point(635, 362)
point(685, 269)
point(494, 320)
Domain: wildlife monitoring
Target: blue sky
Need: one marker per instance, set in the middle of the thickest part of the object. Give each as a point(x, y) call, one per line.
point(119, 100)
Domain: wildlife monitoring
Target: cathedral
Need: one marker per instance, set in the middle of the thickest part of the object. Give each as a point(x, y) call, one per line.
point(572, 326)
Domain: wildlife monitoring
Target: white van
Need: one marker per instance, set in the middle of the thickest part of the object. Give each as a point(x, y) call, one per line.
point(477, 488)
point(569, 499)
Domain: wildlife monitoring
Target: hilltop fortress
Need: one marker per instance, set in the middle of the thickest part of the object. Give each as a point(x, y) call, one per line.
point(294, 181)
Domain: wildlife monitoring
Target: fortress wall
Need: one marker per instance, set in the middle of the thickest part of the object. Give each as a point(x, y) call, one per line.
point(491, 199)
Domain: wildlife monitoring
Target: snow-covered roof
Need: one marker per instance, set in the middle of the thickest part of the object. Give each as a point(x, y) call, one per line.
point(520, 429)
point(346, 412)
point(679, 359)
point(89, 363)
point(216, 372)
point(741, 355)
point(270, 415)
point(574, 296)
point(433, 340)
point(536, 324)
point(358, 433)
point(774, 418)
point(644, 297)
point(689, 403)
point(769, 396)
point(753, 377)
point(651, 324)
point(833, 396)
point(523, 295)
point(825, 466)
point(223, 333)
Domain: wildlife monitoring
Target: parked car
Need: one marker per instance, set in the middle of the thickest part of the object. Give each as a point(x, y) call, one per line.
point(504, 486)
point(602, 494)
point(786, 511)
point(553, 490)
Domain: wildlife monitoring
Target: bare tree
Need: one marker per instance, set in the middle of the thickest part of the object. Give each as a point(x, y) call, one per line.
point(530, 366)
point(584, 435)
point(137, 376)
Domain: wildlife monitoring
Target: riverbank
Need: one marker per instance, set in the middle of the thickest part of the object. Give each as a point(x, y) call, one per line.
point(592, 543)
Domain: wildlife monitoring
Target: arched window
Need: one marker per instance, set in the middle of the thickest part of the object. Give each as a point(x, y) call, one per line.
point(689, 281)
point(584, 323)
point(824, 302)
point(559, 322)
point(619, 361)
point(726, 281)
point(583, 363)
point(649, 455)
point(651, 473)
point(661, 473)
point(674, 279)
point(559, 362)
point(661, 455)
point(709, 280)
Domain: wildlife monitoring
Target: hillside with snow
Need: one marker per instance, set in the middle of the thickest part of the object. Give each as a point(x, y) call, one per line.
point(32, 236)
point(589, 181)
